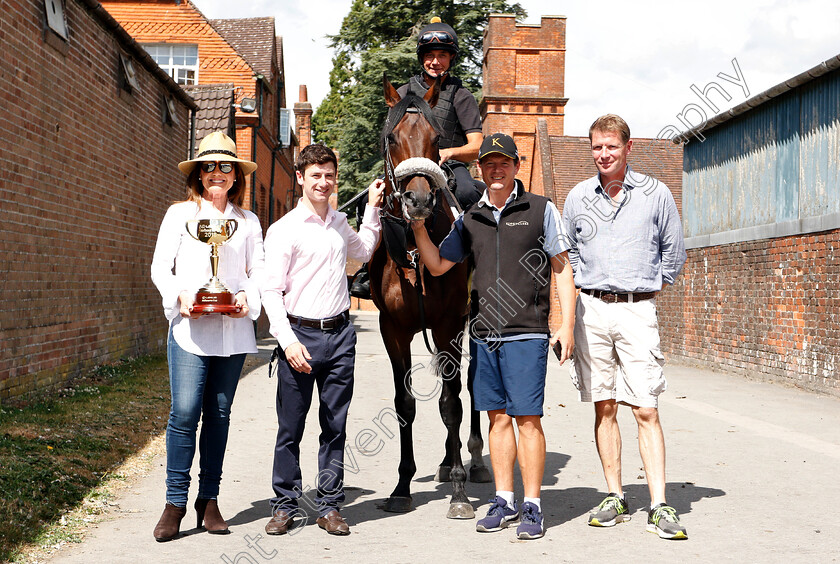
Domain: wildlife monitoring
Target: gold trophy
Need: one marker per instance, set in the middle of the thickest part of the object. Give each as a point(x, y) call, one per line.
point(214, 296)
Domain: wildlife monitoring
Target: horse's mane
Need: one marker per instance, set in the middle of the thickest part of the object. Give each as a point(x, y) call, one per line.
point(396, 114)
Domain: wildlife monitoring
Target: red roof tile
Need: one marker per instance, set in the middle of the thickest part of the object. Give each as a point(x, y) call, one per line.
point(253, 38)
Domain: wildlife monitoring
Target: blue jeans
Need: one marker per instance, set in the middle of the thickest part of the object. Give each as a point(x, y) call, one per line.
point(198, 383)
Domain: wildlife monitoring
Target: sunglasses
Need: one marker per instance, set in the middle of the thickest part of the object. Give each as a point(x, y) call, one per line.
point(436, 37)
point(210, 166)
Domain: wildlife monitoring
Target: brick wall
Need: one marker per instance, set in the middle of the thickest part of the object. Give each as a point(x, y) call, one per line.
point(507, 42)
point(85, 178)
point(766, 309)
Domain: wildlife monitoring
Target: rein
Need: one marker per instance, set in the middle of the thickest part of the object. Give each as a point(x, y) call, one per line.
point(396, 228)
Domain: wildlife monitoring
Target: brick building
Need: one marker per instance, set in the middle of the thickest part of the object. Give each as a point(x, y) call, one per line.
point(244, 53)
point(761, 213)
point(524, 73)
point(97, 130)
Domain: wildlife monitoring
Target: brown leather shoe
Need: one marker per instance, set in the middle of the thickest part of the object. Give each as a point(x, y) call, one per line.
point(169, 525)
point(279, 524)
point(207, 512)
point(334, 523)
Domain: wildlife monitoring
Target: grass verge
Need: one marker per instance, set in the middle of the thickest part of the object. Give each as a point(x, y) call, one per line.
point(56, 454)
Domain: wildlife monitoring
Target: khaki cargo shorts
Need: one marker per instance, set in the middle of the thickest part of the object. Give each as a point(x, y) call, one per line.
point(617, 353)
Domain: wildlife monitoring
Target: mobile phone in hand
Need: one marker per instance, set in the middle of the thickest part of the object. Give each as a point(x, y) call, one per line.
point(558, 350)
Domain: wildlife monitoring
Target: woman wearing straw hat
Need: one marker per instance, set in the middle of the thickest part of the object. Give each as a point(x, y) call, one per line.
point(205, 352)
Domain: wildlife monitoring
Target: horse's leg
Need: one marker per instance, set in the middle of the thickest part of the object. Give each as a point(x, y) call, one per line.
point(475, 444)
point(448, 364)
point(397, 343)
point(445, 468)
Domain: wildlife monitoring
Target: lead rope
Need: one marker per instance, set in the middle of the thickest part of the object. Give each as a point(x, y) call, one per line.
point(419, 287)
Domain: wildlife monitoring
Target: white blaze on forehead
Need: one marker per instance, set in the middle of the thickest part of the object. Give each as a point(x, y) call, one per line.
point(424, 166)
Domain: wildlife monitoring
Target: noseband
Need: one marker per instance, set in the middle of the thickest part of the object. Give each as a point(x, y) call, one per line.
point(412, 167)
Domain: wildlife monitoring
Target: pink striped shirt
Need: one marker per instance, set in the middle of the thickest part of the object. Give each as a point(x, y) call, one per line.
point(305, 260)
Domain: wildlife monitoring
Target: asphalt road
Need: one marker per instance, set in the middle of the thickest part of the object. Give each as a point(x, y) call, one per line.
point(752, 471)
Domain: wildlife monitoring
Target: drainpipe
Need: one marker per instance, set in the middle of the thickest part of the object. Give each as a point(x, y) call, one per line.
point(254, 134)
point(192, 133)
point(271, 186)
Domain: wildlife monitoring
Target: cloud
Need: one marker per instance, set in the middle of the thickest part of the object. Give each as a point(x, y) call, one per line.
point(638, 59)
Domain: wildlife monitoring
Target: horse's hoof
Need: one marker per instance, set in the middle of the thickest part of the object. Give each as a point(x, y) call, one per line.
point(460, 510)
point(443, 474)
point(396, 504)
point(480, 475)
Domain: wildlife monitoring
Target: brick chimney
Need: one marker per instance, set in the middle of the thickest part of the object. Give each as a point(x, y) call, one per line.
point(303, 118)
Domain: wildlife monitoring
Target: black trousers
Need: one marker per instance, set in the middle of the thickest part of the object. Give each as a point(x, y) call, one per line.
point(467, 190)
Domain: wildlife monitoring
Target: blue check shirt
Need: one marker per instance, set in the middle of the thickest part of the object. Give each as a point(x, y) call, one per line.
point(634, 245)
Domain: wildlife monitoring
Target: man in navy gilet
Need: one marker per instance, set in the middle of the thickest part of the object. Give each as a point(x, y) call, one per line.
point(516, 240)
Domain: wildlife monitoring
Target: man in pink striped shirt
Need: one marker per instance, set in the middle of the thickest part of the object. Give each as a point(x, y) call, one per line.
point(305, 296)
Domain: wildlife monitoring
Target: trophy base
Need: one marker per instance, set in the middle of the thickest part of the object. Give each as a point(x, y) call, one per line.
point(215, 302)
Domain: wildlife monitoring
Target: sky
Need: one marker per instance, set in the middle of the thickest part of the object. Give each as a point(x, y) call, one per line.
point(638, 59)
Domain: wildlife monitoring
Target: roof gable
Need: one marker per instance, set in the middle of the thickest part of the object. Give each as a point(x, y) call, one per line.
point(149, 21)
point(253, 38)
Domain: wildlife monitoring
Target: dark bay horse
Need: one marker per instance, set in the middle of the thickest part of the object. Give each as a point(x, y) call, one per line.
point(410, 299)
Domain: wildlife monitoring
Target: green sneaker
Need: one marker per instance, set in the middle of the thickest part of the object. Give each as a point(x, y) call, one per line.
point(663, 521)
point(612, 511)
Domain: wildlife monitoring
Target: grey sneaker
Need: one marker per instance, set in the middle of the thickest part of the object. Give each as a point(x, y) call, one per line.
point(498, 517)
point(531, 526)
point(612, 511)
point(663, 521)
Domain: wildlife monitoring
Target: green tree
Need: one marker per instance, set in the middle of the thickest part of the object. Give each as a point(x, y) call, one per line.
point(376, 37)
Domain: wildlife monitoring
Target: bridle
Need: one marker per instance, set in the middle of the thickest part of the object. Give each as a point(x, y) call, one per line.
point(396, 231)
point(396, 175)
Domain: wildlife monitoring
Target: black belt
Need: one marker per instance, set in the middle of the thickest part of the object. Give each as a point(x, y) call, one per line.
point(613, 297)
point(327, 324)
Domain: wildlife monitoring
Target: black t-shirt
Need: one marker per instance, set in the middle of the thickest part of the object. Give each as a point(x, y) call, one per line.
point(466, 108)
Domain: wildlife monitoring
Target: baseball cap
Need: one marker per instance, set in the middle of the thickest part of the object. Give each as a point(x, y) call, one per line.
point(499, 143)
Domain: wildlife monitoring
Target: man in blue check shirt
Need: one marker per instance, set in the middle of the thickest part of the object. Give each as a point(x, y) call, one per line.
point(626, 241)
point(516, 240)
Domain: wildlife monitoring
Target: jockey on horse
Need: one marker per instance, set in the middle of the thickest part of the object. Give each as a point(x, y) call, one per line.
point(457, 114)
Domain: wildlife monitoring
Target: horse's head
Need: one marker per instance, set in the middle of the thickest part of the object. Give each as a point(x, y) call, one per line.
point(410, 147)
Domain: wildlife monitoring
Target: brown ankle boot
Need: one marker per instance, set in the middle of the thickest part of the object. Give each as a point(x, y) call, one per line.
point(170, 523)
point(207, 511)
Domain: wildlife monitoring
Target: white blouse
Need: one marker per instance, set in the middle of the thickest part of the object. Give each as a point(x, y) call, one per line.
point(181, 263)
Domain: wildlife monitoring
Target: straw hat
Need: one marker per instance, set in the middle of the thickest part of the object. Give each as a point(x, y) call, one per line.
point(217, 146)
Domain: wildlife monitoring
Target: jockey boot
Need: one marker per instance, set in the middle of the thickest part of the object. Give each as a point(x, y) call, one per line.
point(360, 287)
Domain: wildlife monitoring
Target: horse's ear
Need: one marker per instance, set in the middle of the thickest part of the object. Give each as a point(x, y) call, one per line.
point(391, 96)
point(433, 93)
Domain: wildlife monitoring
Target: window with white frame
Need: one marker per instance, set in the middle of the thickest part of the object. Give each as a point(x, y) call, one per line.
point(178, 60)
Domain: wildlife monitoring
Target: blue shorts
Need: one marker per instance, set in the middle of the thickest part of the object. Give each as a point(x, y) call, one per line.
point(510, 375)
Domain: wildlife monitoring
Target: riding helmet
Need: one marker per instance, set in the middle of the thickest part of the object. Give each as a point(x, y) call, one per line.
point(436, 35)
